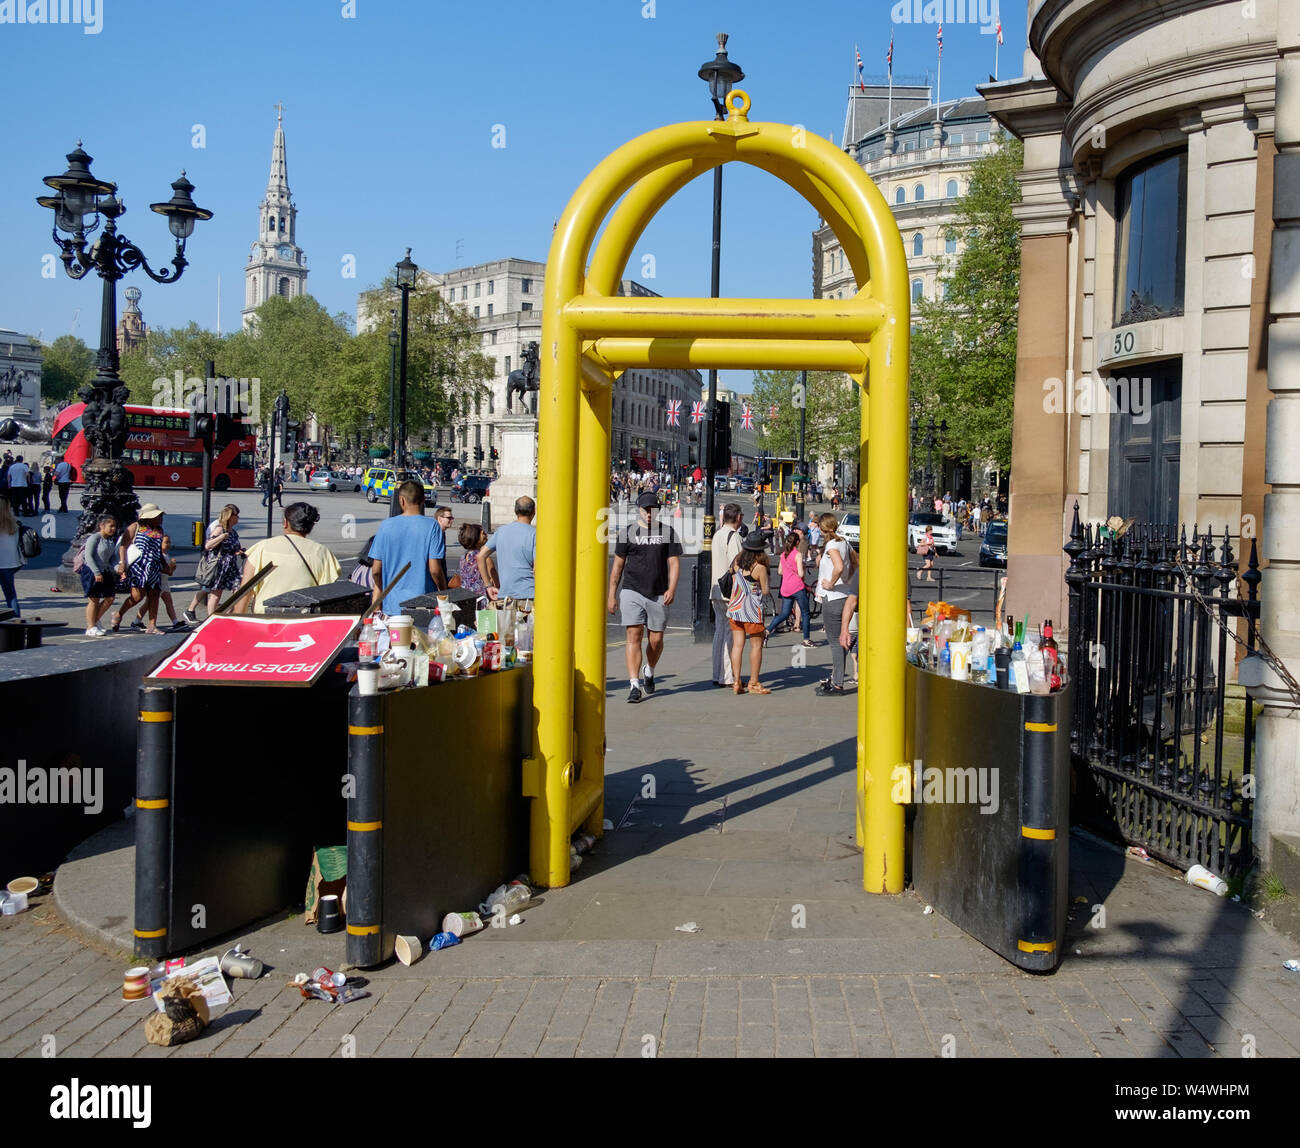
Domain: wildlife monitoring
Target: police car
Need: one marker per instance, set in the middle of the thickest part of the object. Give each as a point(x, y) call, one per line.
point(379, 482)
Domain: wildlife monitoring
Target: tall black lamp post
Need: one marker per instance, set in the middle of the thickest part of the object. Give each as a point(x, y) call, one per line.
point(721, 74)
point(393, 339)
point(933, 434)
point(406, 273)
point(79, 202)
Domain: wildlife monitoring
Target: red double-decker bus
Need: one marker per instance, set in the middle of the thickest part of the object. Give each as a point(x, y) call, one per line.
point(160, 450)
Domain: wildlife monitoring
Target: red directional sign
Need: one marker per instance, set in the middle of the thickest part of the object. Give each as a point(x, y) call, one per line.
point(257, 651)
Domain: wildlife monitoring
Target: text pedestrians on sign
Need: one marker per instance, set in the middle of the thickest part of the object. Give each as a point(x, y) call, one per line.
point(257, 651)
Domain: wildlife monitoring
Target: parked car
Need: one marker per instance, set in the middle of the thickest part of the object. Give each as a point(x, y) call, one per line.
point(993, 549)
point(945, 533)
point(471, 488)
point(851, 527)
point(744, 484)
point(333, 480)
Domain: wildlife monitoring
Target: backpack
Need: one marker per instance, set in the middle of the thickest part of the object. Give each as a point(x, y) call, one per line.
point(29, 542)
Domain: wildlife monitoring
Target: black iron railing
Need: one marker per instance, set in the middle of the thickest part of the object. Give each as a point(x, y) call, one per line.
point(1151, 614)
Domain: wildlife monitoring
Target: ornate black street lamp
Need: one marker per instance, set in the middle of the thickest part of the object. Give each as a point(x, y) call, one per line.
point(406, 275)
point(78, 203)
point(933, 434)
point(721, 74)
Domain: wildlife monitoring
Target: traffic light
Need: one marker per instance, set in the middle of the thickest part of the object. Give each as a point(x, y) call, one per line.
point(692, 450)
point(228, 429)
point(201, 424)
point(478, 454)
point(290, 432)
point(495, 456)
point(721, 447)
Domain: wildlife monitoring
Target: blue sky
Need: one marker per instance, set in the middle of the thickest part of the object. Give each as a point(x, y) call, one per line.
point(390, 116)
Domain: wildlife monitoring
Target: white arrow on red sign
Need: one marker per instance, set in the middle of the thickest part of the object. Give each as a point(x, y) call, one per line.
point(304, 640)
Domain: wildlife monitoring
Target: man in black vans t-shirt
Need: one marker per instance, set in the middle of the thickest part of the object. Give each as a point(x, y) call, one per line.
point(647, 559)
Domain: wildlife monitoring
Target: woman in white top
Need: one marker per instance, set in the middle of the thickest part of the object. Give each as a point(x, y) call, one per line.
point(837, 566)
point(11, 557)
point(299, 562)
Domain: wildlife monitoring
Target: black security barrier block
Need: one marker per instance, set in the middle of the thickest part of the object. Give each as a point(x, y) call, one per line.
point(989, 780)
point(257, 782)
point(454, 823)
point(330, 598)
point(67, 745)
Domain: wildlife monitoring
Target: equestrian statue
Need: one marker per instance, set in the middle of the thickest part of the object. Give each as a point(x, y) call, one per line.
point(525, 379)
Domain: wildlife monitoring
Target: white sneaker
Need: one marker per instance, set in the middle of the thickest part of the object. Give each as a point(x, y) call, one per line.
point(94, 632)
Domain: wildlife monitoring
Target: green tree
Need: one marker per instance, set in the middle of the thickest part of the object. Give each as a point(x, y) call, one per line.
point(149, 371)
point(446, 371)
point(67, 365)
point(833, 415)
point(963, 365)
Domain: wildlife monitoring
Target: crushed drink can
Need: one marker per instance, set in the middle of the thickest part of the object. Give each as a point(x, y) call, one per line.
point(491, 655)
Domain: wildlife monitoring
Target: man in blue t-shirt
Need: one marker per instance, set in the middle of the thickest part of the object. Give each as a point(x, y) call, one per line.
point(514, 547)
point(408, 537)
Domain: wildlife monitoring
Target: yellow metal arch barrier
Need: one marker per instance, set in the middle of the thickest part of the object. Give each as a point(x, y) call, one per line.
point(589, 335)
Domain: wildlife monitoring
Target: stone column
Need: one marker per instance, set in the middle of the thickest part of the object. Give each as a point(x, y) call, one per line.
point(1043, 470)
point(1277, 804)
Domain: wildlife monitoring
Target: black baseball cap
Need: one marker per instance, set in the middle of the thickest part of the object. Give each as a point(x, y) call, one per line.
point(649, 500)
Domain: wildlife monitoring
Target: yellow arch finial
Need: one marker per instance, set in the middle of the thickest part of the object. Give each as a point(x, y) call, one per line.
point(738, 114)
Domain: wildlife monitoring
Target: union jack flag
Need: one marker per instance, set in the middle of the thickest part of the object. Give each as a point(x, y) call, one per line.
point(889, 57)
point(697, 412)
point(1000, 40)
point(859, 56)
point(674, 412)
point(941, 40)
point(747, 419)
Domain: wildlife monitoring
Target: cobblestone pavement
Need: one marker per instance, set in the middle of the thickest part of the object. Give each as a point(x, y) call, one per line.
point(749, 835)
point(59, 995)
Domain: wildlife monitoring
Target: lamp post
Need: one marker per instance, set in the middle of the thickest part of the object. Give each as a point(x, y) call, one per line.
point(803, 461)
point(78, 205)
point(406, 273)
point(721, 74)
point(393, 339)
point(930, 439)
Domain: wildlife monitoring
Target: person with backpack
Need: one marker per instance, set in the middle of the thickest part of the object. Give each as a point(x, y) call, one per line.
point(745, 611)
point(11, 558)
point(838, 564)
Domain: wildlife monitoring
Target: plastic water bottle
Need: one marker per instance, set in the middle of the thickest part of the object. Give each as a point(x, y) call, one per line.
point(366, 643)
point(945, 663)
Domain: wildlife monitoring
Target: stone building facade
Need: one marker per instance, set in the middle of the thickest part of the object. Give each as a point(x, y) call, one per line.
point(504, 297)
point(1158, 367)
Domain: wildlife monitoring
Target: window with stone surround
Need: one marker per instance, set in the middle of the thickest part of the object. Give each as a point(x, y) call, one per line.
point(1151, 239)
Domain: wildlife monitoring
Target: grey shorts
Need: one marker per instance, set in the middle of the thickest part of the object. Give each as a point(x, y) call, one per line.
point(638, 610)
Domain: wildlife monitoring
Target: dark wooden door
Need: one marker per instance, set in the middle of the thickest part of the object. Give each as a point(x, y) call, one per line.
point(1146, 443)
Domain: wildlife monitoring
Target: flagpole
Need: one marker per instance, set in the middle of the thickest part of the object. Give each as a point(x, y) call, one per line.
point(938, 80)
point(997, 42)
point(889, 107)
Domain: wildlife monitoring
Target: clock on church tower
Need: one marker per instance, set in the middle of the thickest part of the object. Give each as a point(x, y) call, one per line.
point(276, 264)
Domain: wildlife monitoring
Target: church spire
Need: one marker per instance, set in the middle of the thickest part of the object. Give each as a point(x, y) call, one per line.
point(277, 187)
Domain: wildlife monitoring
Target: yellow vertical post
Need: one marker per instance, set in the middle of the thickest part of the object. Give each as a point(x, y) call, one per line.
point(553, 648)
point(590, 592)
point(881, 631)
point(866, 552)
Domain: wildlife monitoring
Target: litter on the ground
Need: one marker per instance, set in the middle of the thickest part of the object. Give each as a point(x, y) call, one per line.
point(1138, 852)
point(928, 910)
point(1202, 878)
point(1292, 966)
point(515, 918)
point(443, 941)
point(688, 927)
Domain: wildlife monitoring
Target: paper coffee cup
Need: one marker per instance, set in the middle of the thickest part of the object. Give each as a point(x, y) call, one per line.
point(462, 924)
point(399, 630)
point(408, 949)
point(368, 680)
point(135, 984)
